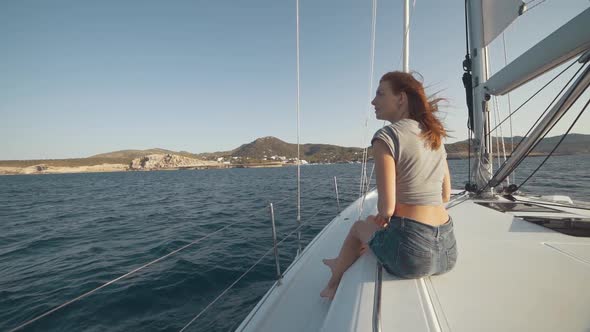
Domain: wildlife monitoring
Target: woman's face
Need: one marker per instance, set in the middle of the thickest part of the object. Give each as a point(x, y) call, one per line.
point(388, 105)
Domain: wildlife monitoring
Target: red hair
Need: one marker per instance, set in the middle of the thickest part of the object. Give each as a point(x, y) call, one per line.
point(420, 107)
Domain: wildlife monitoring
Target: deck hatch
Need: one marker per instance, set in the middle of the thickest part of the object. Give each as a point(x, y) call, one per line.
point(516, 207)
point(570, 226)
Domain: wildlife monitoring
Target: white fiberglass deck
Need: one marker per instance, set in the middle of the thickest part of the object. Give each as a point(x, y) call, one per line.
point(511, 275)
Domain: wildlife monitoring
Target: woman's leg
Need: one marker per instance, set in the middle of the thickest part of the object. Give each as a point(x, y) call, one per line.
point(352, 248)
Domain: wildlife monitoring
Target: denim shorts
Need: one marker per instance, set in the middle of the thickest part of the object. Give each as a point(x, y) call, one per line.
point(410, 249)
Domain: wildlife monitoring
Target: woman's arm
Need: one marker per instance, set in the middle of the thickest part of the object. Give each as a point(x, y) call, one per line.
point(446, 187)
point(385, 172)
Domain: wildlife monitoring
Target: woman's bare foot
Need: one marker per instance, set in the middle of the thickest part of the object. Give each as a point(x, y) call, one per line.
point(332, 286)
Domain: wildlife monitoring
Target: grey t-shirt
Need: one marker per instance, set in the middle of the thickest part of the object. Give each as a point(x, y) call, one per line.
point(419, 169)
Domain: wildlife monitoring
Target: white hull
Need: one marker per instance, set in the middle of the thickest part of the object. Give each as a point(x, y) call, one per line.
point(511, 275)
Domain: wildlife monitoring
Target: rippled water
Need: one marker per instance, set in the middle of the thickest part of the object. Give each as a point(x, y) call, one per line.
point(63, 235)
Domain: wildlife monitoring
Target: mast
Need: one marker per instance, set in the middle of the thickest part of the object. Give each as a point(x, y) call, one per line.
point(482, 166)
point(406, 46)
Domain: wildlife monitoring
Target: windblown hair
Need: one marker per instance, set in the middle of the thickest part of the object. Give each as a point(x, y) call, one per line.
point(420, 107)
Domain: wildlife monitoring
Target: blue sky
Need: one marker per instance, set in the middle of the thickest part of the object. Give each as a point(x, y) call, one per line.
point(78, 78)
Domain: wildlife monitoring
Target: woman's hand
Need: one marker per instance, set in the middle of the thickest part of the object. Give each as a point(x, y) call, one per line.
point(378, 220)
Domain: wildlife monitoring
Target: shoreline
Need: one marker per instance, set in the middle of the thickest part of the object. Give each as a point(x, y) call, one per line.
point(41, 169)
point(109, 168)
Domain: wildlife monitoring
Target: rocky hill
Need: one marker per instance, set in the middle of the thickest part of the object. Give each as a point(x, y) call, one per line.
point(269, 146)
point(572, 144)
point(133, 154)
point(265, 146)
point(165, 161)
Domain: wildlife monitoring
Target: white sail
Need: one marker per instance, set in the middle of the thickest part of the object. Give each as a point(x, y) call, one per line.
point(565, 43)
point(497, 16)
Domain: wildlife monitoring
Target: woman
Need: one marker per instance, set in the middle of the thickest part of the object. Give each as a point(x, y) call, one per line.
point(412, 234)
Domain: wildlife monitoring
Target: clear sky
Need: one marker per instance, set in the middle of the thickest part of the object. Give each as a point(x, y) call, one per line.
point(78, 78)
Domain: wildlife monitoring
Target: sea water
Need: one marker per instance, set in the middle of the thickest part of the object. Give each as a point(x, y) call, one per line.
point(64, 235)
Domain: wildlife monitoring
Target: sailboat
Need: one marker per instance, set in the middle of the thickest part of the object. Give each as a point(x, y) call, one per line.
point(524, 261)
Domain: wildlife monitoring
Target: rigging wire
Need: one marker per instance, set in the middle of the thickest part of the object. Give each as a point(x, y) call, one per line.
point(246, 272)
point(298, 120)
point(460, 198)
point(116, 279)
point(557, 145)
point(285, 237)
point(547, 109)
point(49, 312)
point(370, 178)
point(363, 178)
point(494, 108)
point(517, 163)
point(307, 223)
point(531, 97)
point(509, 110)
point(227, 289)
point(367, 182)
point(499, 136)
